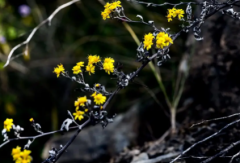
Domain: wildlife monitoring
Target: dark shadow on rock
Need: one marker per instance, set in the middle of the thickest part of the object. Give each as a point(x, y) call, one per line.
point(95, 143)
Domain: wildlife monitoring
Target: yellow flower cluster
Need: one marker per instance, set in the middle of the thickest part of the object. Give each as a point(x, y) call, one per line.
point(58, 70)
point(8, 123)
point(99, 99)
point(148, 41)
point(172, 13)
point(21, 156)
point(77, 69)
point(109, 8)
point(162, 40)
point(80, 102)
point(108, 65)
point(92, 59)
point(78, 115)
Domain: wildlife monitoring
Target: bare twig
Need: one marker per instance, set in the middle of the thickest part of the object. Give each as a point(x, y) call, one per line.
point(215, 119)
point(48, 20)
point(222, 152)
point(234, 156)
point(207, 138)
point(159, 158)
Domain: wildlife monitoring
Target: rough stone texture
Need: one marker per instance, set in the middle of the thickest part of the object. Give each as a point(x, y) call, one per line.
point(213, 83)
point(95, 142)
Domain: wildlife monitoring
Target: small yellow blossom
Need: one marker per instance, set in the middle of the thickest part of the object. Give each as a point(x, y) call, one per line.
point(163, 40)
point(93, 59)
point(169, 17)
point(81, 64)
point(58, 70)
point(90, 69)
point(99, 99)
point(25, 156)
point(8, 123)
point(160, 43)
point(160, 34)
point(168, 40)
point(16, 153)
point(21, 156)
point(80, 102)
point(148, 41)
point(172, 13)
point(86, 110)
point(78, 115)
point(109, 60)
point(31, 119)
point(94, 94)
point(97, 85)
point(106, 14)
point(108, 67)
point(76, 69)
point(101, 107)
point(109, 8)
point(115, 5)
point(179, 13)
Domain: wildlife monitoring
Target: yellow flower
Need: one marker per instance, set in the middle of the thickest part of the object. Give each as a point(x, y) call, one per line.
point(93, 59)
point(160, 34)
point(179, 13)
point(99, 99)
point(107, 5)
point(16, 153)
point(58, 70)
point(97, 85)
point(163, 40)
point(160, 43)
point(21, 157)
point(25, 156)
point(90, 68)
point(80, 102)
point(78, 115)
point(172, 13)
point(169, 17)
point(109, 60)
point(8, 124)
point(109, 8)
point(106, 14)
point(168, 40)
point(108, 67)
point(86, 110)
point(94, 94)
point(31, 119)
point(81, 64)
point(115, 5)
point(76, 69)
point(148, 41)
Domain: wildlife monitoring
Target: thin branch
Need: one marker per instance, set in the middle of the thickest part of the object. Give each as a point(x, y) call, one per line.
point(207, 138)
point(222, 152)
point(216, 119)
point(36, 136)
point(234, 156)
point(48, 20)
point(159, 158)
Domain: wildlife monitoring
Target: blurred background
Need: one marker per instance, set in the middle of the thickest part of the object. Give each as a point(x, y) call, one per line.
point(29, 89)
